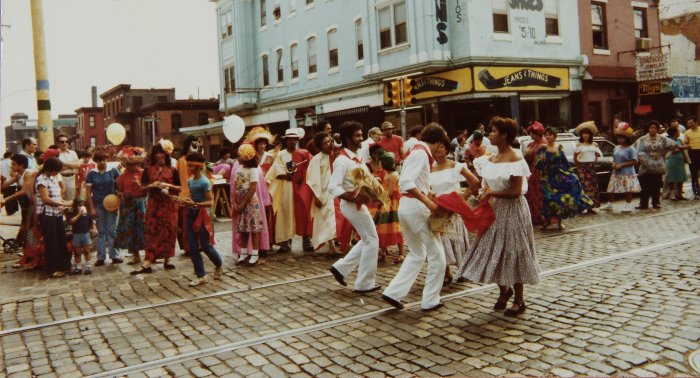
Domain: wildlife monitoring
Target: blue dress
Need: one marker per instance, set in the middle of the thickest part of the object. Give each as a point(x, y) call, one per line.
point(675, 166)
point(562, 191)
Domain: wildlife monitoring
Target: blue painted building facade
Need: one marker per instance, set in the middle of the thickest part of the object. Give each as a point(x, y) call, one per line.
point(293, 62)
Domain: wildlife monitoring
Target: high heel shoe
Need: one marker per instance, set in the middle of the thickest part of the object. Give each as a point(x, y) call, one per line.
point(142, 270)
point(511, 312)
point(501, 304)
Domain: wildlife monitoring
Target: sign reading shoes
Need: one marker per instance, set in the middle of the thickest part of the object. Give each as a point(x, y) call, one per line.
point(520, 79)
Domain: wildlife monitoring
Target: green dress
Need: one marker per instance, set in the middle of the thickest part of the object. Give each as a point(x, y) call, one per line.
point(675, 166)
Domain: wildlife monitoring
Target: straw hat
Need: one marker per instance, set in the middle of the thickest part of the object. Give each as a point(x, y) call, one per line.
point(259, 132)
point(292, 133)
point(588, 125)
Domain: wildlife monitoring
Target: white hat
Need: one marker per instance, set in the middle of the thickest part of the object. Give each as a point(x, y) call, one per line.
point(292, 133)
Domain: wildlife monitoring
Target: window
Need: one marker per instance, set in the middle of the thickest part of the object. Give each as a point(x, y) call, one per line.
point(551, 17)
point(93, 142)
point(392, 25)
point(277, 12)
point(175, 122)
point(92, 121)
point(311, 51)
point(263, 13)
point(358, 38)
point(265, 71)
point(309, 2)
point(162, 98)
point(226, 24)
point(600, 39)
point(229, 79)
point(137, 101)
point(332, 48)
point(203, 118)
point(294, 60)
point(280, 67)
point(640, 23)
point(499, 8)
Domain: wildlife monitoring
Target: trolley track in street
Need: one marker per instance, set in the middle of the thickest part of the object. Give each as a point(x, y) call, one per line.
point(251, 288)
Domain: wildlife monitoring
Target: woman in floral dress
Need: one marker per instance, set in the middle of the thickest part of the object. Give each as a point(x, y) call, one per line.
point(387, 218)
point(586, 155)
point(160, 180)
point(563, 193)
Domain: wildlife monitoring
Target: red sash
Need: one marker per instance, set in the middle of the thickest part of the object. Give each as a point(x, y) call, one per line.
point(477, 219)
point(421, 147)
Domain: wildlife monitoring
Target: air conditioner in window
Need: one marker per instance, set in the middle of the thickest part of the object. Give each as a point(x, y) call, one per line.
point(643, 43)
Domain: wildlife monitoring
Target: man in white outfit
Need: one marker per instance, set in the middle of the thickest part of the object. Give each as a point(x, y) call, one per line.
point(414, 210)
point(71, 163)
point(354, 209)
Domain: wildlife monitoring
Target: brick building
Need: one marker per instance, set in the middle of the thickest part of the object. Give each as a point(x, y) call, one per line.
point(91, 127)
point(613, 34)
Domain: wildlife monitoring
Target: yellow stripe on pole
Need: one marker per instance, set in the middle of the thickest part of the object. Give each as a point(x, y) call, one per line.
point(45, 123)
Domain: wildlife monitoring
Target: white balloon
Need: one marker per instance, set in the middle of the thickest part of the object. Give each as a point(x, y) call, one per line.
point(116, 133)
point(234, 128)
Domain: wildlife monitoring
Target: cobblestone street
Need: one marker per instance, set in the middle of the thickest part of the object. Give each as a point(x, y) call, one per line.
point(618, 296)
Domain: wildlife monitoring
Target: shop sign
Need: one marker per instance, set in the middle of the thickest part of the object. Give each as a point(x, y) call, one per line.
point(527, 18)
point(487, 79)
point(653, 67)
point(441, 84)
point(645, 89)
point(686, 89)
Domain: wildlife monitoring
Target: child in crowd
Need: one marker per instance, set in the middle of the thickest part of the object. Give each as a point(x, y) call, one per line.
point(387, 218)
point(247, 208)
point(86, 165)
point(81, 224)
point(200, 232)
point(624, 176)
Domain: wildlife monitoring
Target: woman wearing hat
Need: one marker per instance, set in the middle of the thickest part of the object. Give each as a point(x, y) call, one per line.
point(623, 179)
point(586, 156)
point(651, 150)
point(534, 192)
point(132, 207)
point(99, 183)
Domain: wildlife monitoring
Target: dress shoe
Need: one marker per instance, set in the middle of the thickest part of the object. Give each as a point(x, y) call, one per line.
point(141, 270)
point(338, 277)
point(502, 304)
point(368, 290)
point(397, 305)
point(99, 262)
point(436, 307)
point(117, 260)
point(511, 312)
point(169, 266)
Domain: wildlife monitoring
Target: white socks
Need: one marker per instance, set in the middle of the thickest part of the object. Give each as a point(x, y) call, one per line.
point(254, 257)
point(243, 255)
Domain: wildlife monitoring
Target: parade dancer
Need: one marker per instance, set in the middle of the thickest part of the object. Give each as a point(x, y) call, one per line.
point(353, 206)
point(291, 195)
point(415, 208)
point(318, 177)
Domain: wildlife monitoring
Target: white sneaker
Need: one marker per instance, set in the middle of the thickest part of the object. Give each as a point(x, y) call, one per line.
point(218, 272)
point(607, 207)
point(199, 281)
point(627, 208)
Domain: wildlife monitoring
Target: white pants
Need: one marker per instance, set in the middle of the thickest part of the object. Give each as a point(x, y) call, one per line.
point(364, 253)
point(422, 243)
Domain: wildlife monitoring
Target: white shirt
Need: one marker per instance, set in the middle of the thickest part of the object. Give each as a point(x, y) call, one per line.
point(6, 168)
point(415, 173)
point(364, 149)
point(340, 181)
point(31, 160)
point(68, 156)
point(408, 145)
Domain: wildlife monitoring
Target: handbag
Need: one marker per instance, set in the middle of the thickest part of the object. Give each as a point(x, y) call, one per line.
point(437, 221)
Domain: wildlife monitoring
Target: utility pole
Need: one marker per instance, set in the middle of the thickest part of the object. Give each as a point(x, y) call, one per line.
point(43, 102)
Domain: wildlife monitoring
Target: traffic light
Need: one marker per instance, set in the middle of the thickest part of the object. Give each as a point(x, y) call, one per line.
point(393, 94)
point(408, 92)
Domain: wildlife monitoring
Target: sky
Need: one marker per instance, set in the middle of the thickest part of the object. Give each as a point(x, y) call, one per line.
point(145, 43)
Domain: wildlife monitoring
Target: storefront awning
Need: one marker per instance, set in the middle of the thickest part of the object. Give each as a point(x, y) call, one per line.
point(543, 97)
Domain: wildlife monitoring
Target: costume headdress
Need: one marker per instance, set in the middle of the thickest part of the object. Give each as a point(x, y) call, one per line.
point(131, 155)
point(259, 132)
point(536, 127)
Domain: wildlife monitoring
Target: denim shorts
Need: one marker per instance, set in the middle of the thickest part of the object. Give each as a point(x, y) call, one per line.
point(82, 240)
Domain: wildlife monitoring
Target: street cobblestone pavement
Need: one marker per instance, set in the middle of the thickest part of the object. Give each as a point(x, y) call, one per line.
point(619, 296)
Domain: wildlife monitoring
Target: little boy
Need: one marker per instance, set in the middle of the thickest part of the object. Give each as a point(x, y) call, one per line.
point(86, 165)
point(81, 223)
point(198, 223)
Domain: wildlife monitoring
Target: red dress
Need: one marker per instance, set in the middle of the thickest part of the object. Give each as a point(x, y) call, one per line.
point(161, 214)
point(534, 194)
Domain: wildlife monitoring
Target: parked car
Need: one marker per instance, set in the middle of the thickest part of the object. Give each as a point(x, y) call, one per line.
point(568, 142)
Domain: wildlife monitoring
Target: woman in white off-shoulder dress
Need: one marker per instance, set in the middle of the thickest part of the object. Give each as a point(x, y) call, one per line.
point(505, 253)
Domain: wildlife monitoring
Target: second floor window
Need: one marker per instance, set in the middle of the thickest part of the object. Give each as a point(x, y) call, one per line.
point(137, 101)
point(393, 30)
point(294, 60)
point(92, 121)
point(229, 80)
point(311, 51)
point(226, 24)
point(263, 13)
point(551, 17)
point(360, 41)
point(280, 67)
point(499, 9)
point(265, 71)
point(332, 48)
point(175, 122)
point(600, 38)
point(640, 23)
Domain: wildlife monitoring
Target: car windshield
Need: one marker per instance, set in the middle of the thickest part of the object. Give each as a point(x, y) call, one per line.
point(606, 147)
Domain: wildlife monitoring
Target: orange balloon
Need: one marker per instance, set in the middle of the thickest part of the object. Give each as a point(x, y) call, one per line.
point(111, 202)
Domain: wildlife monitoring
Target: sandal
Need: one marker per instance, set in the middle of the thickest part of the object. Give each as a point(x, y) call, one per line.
point(399, 259)
point(169, 266)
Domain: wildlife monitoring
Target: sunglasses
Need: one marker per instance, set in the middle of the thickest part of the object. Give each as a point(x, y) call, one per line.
point(62, 141)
